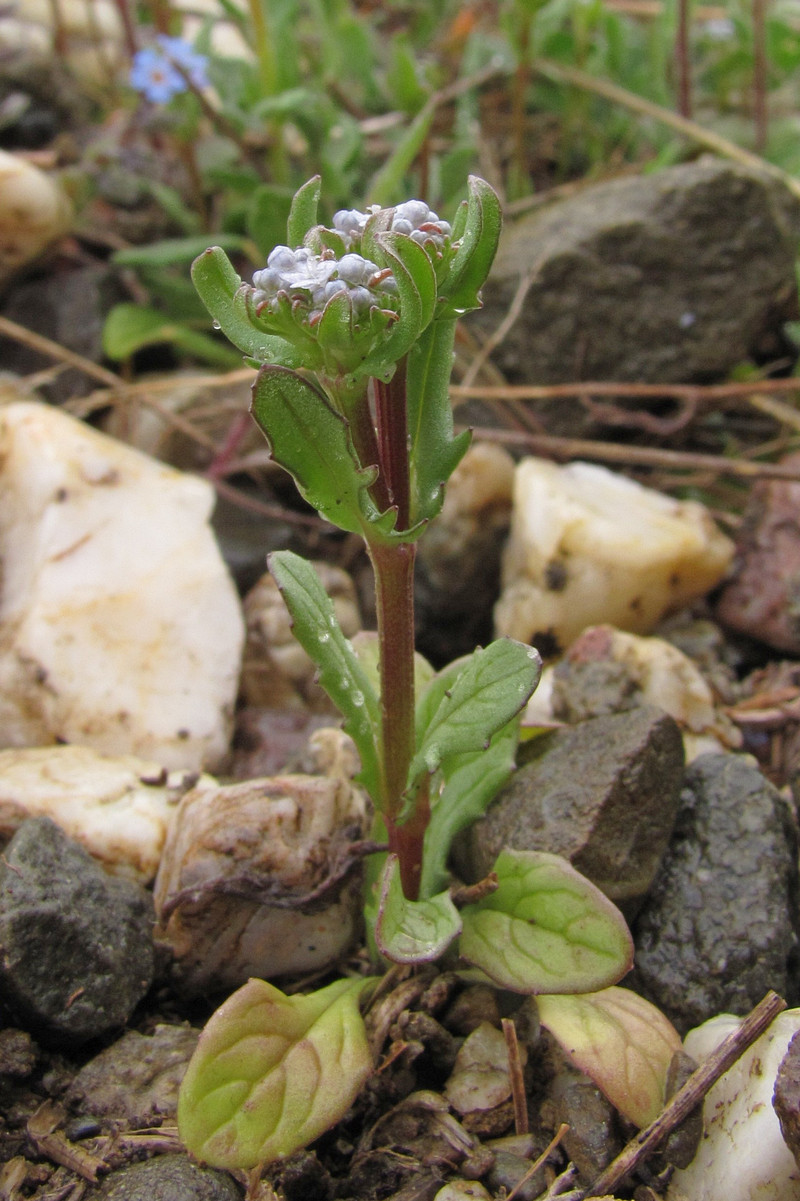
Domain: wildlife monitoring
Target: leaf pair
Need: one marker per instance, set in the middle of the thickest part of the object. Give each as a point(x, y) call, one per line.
point(545, 928)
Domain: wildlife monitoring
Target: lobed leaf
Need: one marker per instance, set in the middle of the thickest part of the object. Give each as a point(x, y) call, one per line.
point(219, 286)
point(341, 674)
point(490, 688)
point(412, 931)
point(476, 251)
point(546, 929)
point(272, 1072)
point(621, 1041)
point(312, 441)
point(416, 286)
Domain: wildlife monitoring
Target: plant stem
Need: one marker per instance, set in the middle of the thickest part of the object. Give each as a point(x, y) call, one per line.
point(394, 588)
point(394, 593)
point(392, 421)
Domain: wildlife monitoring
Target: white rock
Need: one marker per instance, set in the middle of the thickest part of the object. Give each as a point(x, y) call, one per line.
point(742, 1155)
point(588, 546)
point(34, 212)
point(118, 808)
point(88, 34)
point(120, 627)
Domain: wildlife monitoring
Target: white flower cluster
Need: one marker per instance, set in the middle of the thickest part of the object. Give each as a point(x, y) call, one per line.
point(413, 218)
point(316, 278)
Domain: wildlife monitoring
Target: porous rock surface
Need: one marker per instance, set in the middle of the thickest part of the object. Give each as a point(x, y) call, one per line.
point(169, 1178)
point(76, 948)
point(633, 279)
point(603, 794)
point(719, 929)
point(135, 1081)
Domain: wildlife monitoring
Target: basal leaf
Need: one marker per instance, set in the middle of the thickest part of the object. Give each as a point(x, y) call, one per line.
point(312, 441)
point(412, 931)
point(315, 627)
point(546, 929)
point(435, 452)
point(272, 1072)
point(471, 782)
point(303, 213)
point(487, 692)
point(131, 327)
point(621, 1041)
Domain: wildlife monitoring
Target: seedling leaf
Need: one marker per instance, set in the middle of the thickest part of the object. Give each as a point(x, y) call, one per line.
point(272, 1072)
point(546, 929)
point(621, 1041)
point(341, 675)
point(412, 931)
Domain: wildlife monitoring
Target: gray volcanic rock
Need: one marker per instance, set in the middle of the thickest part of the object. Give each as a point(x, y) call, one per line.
point(674, 276)
point(718, 929)
point(76, 945)
point(603, 794)
point(169, 1178)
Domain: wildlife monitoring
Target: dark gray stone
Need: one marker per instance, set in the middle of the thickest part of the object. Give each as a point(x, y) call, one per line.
point(169, 1178)
point(603, 794)
point(674, 276)
point(718, 928)
point(135, 1081)
point(76, 947)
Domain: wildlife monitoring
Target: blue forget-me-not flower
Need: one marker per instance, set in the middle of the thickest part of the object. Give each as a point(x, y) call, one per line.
point(155, 71)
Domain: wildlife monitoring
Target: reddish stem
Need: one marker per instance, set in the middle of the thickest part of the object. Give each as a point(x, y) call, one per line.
point(393, 564)
point(392, 421)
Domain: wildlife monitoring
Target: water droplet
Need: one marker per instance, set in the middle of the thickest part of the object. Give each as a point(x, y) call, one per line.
point(216, 325)
point(345, 682)
point(324, 637)
point(358, 699)
point(432, 757)
point(533, 653)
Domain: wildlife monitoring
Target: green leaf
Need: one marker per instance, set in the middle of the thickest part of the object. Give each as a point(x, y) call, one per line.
point(131, 327)
point(412, 931)
point(266, 215)
point(471, 782)
point(303, 213)
point(273, 1072)
point(387, 182)
point(172, 250)
point(490, 688)
point(416, 285)
point(476, 251)
point(621, 1041)
point(312, 441)
point(546, 929)
point(341, 675)
point(219, 289)
point(435, 452)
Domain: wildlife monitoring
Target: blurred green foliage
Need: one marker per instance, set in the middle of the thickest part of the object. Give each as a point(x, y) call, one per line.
point(409, 97)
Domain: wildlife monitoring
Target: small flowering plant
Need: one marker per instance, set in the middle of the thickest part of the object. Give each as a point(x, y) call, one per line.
point(351, 329)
